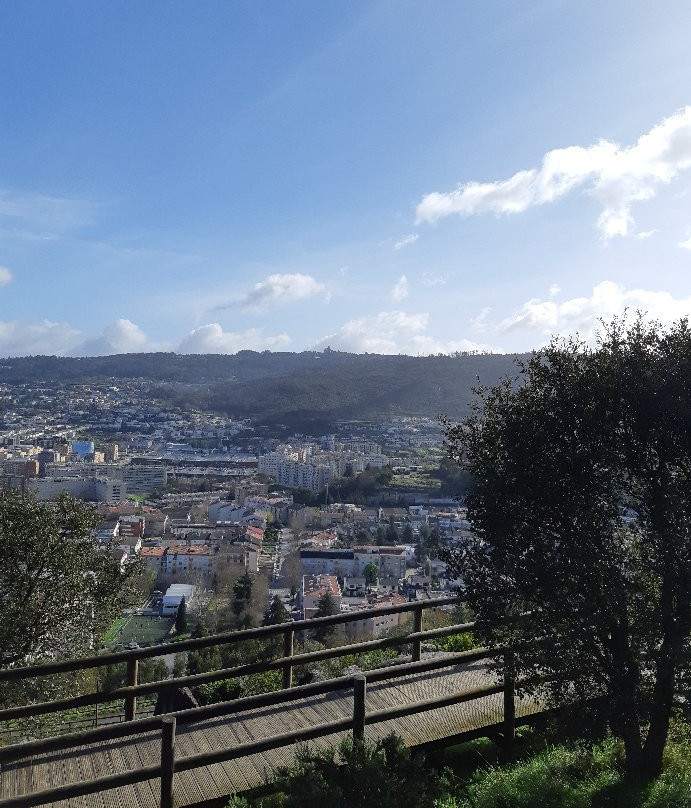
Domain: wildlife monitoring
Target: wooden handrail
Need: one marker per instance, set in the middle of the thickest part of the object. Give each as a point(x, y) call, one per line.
point(170, 764)
point(263, 632)
point(195, 714)
point(130, 692)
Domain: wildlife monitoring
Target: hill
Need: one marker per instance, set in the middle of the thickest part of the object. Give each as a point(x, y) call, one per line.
point(296, 389)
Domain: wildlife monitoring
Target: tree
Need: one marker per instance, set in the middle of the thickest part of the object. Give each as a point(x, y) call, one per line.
point(326, 606)
point(582, 510)
point(391, 532)
point(408, 536)
point(275, 613)
point(60, 588)
point(371, 572)
point(181, 617)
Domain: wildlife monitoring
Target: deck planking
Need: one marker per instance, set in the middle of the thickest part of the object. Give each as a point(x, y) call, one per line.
point(251, 771)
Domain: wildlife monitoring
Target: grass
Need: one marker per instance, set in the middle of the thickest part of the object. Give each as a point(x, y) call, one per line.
point(114, 630)
point(142, 629)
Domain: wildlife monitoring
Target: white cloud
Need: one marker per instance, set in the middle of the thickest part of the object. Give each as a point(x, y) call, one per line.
point(617, 177)
point(211, 338)
point(582, 314)
point(645, 234)
point(393, 332)
point(400, 289)
point(122, 336)
point(433, 280)
point(686, 244)
point(479, 323)
point(31, 339)
point(554, 290)
point(411, 238)
point(54, 214)
point(280, 289)
point(5, 276)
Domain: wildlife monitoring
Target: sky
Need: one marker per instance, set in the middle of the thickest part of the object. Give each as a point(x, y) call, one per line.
point(390, 176)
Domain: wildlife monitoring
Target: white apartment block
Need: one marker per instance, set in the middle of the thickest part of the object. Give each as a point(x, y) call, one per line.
point(92, 489)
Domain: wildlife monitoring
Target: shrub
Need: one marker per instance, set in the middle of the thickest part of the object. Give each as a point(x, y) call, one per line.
point(359, 774)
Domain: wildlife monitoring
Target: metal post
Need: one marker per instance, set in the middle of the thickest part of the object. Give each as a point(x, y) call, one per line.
point(288, 637)
point(167, 760)
point(132, 680)
point(509, 723)
point(417, 626)
point(359, 694)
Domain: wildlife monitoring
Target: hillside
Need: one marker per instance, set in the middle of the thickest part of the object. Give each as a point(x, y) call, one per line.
point(294, 389)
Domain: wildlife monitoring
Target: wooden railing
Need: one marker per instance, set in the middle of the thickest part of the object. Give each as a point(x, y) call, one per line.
point(167, 724)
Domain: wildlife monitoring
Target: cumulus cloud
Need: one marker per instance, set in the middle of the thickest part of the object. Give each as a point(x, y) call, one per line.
point(211, 338)
point(393, 332)
point(615, 176)
point(582, 314)
point(31, 339)
point(646, 234)
point(122, 336)
point(686, 244)
point(5, 276)
point(411, 238)
point(275, 289)
point(400, 289)
point(554, 290)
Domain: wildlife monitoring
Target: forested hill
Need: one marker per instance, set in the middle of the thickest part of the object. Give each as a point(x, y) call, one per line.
point(287, 387)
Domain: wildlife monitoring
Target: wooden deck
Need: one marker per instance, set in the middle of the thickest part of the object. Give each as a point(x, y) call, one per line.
point(221, 779)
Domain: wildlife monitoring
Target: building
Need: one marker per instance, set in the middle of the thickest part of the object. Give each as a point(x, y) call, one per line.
point(91, 489)
point(174, 595)
point(351, 562)
point(198, 563)
point(143, 479)
point(314, 587)
point(83, 448)
point(375, 625)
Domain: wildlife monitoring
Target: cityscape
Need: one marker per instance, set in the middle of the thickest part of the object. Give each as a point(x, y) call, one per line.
point(345, 404)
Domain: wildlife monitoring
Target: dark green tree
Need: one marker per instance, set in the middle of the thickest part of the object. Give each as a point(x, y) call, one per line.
point(381, 535)
point(60, 587)
point(408, 537)
point(326, 606)
point(181, 617)
point(371, 573)
point(391, 532)
point(582, 510)
point(275, 613)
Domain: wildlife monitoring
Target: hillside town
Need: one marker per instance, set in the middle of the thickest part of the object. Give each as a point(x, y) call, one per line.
point(199, 500)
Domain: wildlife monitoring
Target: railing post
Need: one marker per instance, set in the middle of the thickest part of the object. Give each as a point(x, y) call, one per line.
point(132, 680)
point(417, 626)
point(167, 760)
point(288, 638)
point(509, 723)
point(359, 694)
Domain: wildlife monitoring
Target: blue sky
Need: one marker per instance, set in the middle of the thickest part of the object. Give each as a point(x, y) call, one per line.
point(376, 176)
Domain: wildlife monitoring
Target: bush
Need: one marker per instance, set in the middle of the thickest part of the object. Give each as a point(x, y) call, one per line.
point(456, 642)
point(359, 774)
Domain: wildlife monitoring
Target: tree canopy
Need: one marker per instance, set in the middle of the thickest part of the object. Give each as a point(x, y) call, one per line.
point(59, 587)
point(581, 507)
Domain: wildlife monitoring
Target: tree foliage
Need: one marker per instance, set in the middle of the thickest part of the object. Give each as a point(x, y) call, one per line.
point(582, 510)
point(59, 587)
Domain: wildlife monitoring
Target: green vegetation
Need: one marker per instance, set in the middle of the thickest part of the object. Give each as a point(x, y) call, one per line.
point(549, 776)
point(357, 774)
point(82, 588)
point(305, 391)
point(582, 505)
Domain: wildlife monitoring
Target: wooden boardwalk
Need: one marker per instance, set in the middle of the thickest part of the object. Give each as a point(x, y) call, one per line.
point(221, 779)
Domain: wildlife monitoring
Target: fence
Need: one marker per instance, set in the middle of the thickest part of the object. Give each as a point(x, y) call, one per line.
point(167, 724)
